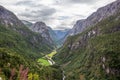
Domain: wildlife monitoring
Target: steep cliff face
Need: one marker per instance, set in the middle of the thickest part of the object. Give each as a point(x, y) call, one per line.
point(94, 53)
point(43, 29)
point(8, 19)
point(96, 17)
point(77, 28)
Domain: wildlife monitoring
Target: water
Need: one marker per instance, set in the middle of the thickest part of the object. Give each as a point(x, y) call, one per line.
point(64, 75)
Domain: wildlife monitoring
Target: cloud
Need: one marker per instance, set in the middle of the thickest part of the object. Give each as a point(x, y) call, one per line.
point(43, 14)
point(28, 2)
point(73, 2)
point(59, 14)
point(81, 1)
point(61, 28)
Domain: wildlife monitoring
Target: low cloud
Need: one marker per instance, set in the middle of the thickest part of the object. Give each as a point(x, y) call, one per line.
point(81, 1)
point(42, 14)
point(59, 14)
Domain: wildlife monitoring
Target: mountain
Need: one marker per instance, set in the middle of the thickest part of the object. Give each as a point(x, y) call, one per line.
point(94, 53)
point(61, 36)
point(53, 35)
point(43, 29)
point(7, 18)
point(61, 33)
point(96, 17)
point(12, 23)
point(20, 48)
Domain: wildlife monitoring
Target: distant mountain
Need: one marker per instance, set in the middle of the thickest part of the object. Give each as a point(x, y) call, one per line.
point(43, 29)
point(61, 33)
point(53, 36)
point(50, 35)
point(61, 36)
point(96, 17)
point(93, 52)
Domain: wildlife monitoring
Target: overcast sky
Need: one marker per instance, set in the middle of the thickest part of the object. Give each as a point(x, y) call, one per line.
point(59, 14)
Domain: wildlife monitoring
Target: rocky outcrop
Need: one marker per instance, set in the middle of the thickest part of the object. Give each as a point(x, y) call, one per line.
point(43, 29)
point(8, 18)
point(96, 17)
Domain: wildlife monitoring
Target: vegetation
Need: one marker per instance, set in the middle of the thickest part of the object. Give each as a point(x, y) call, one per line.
point(52, 54)
point(95, 56)
point(91, 55)
point(17, 50)
point(43, 61)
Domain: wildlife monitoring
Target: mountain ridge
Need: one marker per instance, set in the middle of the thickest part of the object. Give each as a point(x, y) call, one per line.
point(96, 17)
point(93, 54)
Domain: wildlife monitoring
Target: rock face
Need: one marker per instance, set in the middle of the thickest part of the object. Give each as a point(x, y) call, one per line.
point(96, 17)
point(8, 18)
point(43, 29)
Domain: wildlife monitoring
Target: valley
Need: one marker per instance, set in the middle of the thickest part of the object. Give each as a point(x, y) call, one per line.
point(35, 51)
point(47, 59)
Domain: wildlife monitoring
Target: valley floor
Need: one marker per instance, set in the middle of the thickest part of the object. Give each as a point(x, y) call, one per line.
point(47, 59)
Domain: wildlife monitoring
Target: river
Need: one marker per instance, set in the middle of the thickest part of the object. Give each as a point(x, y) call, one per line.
point(63, 75)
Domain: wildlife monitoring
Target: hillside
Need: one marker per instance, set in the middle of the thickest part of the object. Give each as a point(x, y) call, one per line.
point(89, 51)
point(19, 50)
point(94, 53)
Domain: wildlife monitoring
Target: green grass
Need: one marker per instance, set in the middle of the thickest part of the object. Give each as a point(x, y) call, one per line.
point(52, 54)
point(43, 61)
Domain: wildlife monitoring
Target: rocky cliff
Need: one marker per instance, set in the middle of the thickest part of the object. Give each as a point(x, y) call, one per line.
point(96, 17)
point(8, 19)
point(43, 29)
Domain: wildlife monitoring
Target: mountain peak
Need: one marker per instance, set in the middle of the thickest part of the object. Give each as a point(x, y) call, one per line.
point(96, 17)
point(40, 25)
point(43, 29)
point(8, 18)
point(40, 22)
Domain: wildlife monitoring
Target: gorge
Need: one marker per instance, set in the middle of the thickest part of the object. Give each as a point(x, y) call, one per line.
point(35, 51)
